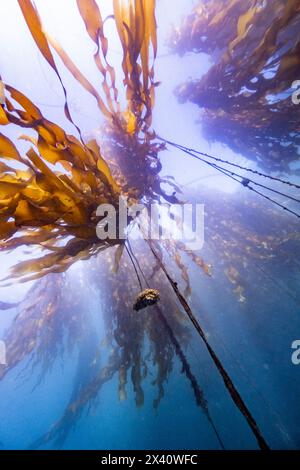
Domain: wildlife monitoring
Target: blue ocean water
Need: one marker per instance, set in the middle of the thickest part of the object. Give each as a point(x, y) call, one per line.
point(252, 338)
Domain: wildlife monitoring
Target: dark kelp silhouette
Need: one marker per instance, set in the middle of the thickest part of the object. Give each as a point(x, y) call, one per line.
point(246, 95)
point(162, 328)
point(46, 323)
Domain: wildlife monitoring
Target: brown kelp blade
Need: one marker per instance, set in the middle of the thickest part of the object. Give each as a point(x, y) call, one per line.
point(41, 206)
point(34, 24)
point(136, 27)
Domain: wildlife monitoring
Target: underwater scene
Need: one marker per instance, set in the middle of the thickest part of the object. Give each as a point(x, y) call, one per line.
point(150, 225)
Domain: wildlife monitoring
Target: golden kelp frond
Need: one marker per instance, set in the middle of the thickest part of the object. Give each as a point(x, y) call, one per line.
point(34, 24)
point(246, 93)
point(50, 199)
point(136, 27)
point(44, 206)
point(92, 18)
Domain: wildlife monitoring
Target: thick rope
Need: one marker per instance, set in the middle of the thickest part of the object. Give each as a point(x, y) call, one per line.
point(255, 172)
point(226, 379)
point(186, 368)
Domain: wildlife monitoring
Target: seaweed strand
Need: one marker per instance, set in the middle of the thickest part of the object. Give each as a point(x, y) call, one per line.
point(186, 368)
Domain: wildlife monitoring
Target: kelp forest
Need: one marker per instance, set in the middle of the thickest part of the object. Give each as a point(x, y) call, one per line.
point(146, 317)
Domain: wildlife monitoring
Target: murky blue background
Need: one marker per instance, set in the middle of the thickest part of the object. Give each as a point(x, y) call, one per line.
point(253, 339)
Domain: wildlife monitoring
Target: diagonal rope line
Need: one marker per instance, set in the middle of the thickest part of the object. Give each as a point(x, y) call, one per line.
point(186, 368)
point(256, 172)
point(236, 397)
point(268, 198)
point(244, 182)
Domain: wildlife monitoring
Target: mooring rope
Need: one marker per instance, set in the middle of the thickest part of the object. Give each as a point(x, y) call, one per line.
point(239, 402)
point(130, 254)
point(221, 160)
point(268, 198)
point(245, 182)
point(186, 368)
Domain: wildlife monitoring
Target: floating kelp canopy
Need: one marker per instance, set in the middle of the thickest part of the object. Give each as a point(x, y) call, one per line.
point(49, 199)
point(246, 95)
